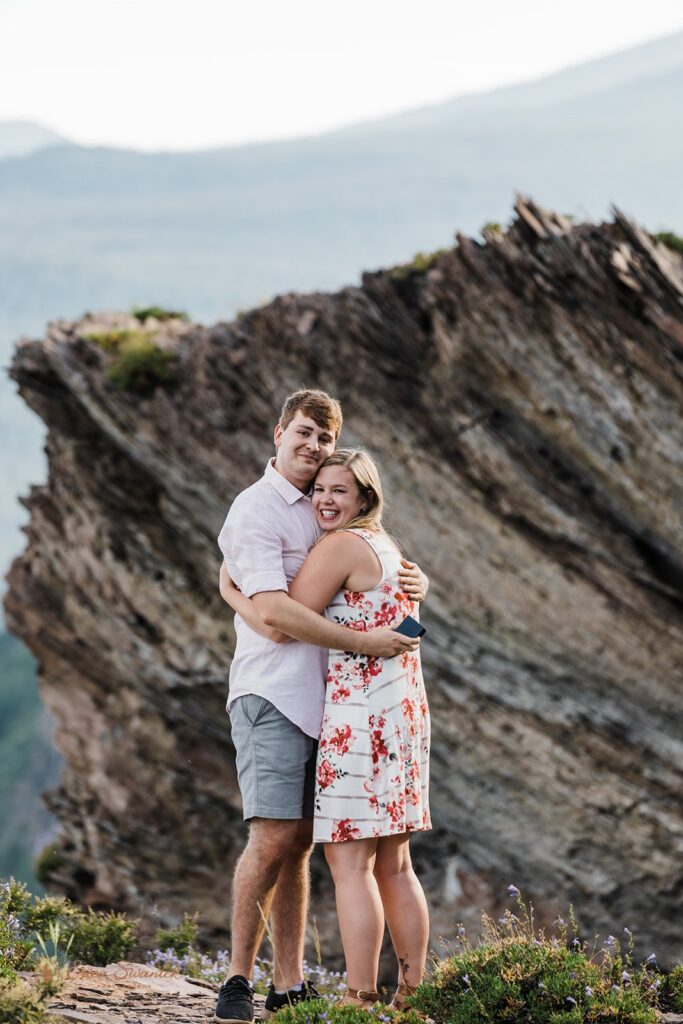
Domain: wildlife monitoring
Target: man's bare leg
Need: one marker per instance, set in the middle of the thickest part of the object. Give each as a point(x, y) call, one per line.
point(289, 910)
point(270, 844)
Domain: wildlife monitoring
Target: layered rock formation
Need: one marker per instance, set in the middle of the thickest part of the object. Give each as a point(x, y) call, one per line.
point(524, 398)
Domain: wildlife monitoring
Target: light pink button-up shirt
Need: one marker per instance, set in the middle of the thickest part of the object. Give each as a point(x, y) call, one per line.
point(265, 538)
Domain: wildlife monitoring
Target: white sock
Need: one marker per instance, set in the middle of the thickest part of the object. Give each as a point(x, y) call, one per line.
point(295, 988)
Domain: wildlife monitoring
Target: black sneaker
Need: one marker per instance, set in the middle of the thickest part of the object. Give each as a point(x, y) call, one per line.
point(235, 1001)
point(276, 1000)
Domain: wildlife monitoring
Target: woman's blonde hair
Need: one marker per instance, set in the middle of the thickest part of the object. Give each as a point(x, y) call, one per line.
point(367, 478)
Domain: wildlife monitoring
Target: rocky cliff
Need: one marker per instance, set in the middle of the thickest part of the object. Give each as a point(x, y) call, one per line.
point(524, 398)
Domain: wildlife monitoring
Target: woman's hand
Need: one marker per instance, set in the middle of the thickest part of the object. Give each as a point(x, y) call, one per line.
point(412, 580)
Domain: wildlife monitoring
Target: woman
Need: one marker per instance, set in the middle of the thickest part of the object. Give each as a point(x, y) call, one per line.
point(372, 769)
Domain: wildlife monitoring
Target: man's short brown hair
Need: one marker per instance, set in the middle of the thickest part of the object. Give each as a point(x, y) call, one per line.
point(325, 411)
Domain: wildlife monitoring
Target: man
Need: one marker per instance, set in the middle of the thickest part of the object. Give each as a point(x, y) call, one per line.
point(276, 697)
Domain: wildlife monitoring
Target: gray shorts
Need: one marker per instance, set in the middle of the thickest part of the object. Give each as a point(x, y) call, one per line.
point(275, 761)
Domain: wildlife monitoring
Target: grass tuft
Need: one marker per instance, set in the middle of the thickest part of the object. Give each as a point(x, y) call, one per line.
point(420, 264)
point(670, 240)
point(671, 990)
point(181, 938)
point(111, 341)
point(321, 1011)
point(145, 313)
point(141, 366)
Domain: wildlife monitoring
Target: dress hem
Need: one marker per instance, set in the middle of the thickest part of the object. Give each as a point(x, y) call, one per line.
point(372, 835)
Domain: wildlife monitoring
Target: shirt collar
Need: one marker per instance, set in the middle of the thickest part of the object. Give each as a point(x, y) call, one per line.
point(284, 488)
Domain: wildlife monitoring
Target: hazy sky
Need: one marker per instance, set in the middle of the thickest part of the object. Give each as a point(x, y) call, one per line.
point(185, 74)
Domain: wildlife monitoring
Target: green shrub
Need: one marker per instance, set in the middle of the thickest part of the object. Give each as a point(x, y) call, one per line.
point(100, 937)
point(145, 313)
point(20, 1003)
point(491, 226)
point(181, 938)
point(15, 946)
point(321, 1011)
point(518, 974)
point(671, 990)
point(14, 897)
point(141, 366)
point(27, 923)
point(671, 240)
point(47, 910)
point(47, 862)
point(420, 264)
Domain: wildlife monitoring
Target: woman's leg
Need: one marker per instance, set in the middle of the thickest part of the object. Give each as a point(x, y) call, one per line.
point(359, 908)
point(405, 907)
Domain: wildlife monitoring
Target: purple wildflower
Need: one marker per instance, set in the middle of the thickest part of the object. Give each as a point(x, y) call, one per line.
point(625, 976)
point(513, 890)
point(588, 990)
point(570, 999)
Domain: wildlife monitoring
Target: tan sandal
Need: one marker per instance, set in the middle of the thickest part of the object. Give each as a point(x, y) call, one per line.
point(400, 1000)
point(359, 997)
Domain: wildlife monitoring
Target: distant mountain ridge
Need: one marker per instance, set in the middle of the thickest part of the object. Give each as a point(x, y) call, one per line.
point(591, 78)
point(20, 138)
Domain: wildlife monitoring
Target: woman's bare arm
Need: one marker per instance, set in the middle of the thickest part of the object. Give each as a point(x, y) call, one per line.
point(328, 566)
point(323, 573)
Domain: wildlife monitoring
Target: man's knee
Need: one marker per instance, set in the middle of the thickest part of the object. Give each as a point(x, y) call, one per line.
point(274, 841)
point(302, 839)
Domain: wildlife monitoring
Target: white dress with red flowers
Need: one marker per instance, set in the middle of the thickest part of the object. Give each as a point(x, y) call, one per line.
point(373, 757)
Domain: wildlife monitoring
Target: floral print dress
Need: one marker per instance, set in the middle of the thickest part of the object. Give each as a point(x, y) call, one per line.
point(372, 773)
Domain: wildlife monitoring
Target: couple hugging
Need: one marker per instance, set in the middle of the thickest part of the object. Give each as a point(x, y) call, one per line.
point(328, 713)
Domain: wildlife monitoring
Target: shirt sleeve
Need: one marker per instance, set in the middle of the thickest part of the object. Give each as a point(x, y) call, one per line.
point(253, 552)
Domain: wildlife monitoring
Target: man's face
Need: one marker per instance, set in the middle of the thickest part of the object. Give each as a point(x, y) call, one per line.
point(301, 448)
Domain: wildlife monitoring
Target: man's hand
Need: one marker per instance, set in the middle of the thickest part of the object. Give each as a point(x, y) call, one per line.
point(412, 580)
point(387, 643)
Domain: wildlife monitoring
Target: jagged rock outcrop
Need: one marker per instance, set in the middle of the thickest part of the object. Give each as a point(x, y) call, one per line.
point(524, 398)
